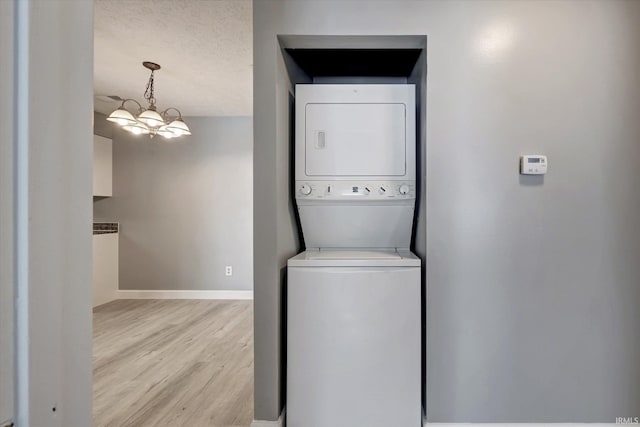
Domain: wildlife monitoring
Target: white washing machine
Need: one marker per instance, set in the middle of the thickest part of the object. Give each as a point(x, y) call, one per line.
point(354, 296)
point(353, 339)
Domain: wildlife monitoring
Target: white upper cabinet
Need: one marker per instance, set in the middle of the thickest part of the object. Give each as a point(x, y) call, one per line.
point(102, 166)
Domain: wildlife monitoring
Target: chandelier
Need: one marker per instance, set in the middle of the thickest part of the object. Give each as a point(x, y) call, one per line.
point(150, 121)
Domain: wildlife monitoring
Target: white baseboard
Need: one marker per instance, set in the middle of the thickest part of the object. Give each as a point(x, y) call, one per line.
point(519, 424)
point(176, 294)
point(278, 423)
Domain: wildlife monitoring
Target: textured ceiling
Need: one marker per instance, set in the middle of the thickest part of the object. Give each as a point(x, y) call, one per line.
point(203, 46)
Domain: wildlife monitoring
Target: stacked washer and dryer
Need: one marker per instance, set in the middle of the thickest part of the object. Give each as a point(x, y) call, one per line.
point(354, 295)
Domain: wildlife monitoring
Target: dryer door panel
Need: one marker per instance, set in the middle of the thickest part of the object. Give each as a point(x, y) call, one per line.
point(367, 139)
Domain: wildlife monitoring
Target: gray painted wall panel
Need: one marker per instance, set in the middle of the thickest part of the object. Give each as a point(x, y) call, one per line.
point(52, 220)
point(184, 206)
point(267, 266)
point(6, 211)
point(532, 283)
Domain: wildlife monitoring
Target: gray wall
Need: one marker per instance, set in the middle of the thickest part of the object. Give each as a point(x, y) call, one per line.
point(532, 283)
point(184, 206)
point(6, 212)
point(51, 120)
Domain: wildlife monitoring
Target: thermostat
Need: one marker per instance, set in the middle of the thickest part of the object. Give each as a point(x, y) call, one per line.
point(533, 165)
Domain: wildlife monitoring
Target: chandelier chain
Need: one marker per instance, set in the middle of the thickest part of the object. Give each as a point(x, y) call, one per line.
point(148, 93)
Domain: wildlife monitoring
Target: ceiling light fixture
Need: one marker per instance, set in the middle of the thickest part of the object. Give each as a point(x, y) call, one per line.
point(149, 121)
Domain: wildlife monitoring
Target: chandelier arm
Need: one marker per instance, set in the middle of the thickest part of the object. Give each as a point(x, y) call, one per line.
point(165, 113)
point(140, 109)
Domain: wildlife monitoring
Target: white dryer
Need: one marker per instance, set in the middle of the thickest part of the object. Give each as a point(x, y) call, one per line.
point(354, 296)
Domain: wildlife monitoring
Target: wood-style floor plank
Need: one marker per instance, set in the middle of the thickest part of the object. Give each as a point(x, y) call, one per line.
point(173, 363)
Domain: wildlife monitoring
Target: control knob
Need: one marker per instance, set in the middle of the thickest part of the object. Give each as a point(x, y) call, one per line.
point(382, 190)
point(404, 189)
point(305, 189)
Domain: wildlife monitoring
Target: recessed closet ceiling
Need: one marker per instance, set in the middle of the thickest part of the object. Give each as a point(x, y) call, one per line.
point(204, 48)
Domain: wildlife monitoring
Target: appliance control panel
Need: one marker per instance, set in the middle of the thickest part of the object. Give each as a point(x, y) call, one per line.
point(533, 164)
point(355, 190)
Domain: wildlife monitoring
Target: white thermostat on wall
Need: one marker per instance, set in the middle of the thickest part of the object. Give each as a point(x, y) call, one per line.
point(533, 165)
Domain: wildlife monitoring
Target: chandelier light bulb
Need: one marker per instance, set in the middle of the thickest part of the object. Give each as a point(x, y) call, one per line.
point(136, 129)
point(151, 118)
point(179, 127)
point(122, 117)
point(163, 131)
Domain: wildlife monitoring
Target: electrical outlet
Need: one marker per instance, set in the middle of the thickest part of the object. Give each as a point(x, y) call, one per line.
point(228, 271)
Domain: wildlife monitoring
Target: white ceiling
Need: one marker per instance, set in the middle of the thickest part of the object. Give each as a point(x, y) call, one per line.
point(203, 46)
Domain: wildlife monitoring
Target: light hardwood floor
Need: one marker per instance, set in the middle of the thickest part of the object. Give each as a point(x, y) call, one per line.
point(173, 363)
